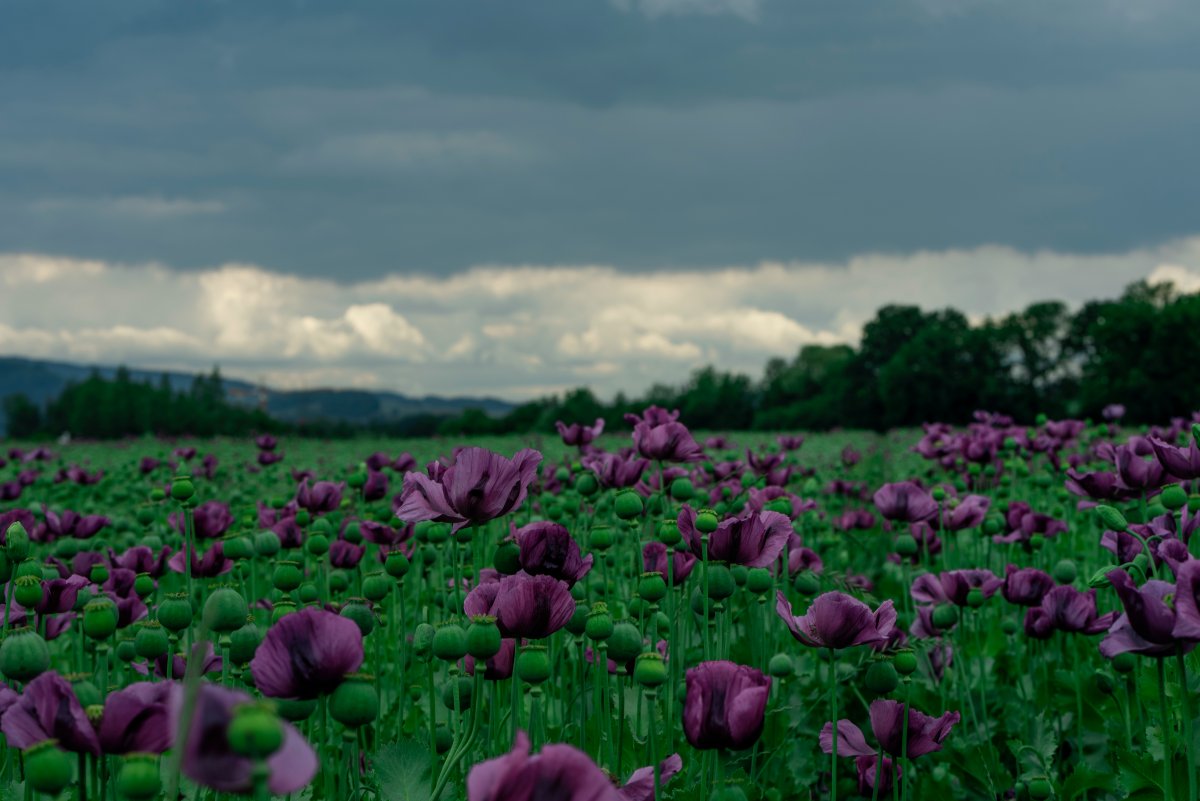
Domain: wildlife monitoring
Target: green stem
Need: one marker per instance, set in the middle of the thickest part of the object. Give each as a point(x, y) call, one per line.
point(1168, 748)
point(834, 714)
point(1187, 723)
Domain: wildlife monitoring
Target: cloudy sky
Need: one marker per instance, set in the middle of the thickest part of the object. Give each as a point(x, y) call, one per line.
point(517, 197)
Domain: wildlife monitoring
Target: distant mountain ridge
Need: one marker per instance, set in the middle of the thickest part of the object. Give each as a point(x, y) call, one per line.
point(41, 380)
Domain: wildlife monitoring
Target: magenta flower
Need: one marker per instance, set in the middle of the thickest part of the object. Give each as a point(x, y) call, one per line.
point(754, 540)
point(265, 442)
point(323, 496)
point(548, 549)
point(905, 502)
point(213, 563)
point(525, 607)
point(1097, 486)
point(479, 486)
point(559, 773)
point(836, 620)
point(1137, 473)
point(654, 560)
point(141, 559)
point(209, 760)
point(966, 513)
point(725, 705)
point(578, 434)
point(925, 734)
point(69, 524)
point(48, 709)
point(307, 654)
point(135, 719)
point(1113, 412)
point(789, 443)
point(1066, 609)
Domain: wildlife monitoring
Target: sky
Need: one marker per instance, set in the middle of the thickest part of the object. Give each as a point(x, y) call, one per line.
point(514, 198)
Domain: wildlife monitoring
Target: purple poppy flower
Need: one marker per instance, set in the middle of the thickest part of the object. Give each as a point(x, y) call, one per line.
point(267, 458)
point(925, 734)
point(479, 486)
point(59, 595)
point(836, 620)
point(211, 519)
point(48, 709)
point(376, 487)
point(498, 667)
point(1026, 586)
point(725, 705)
point(789, 443)
point(666, 442)
point(209, 760)
point(323, 496)
point(547, 548)
point(718, 443)
point(1066, 609)
point(850, 457)
point(135, 719)
point(559, 773)
point(614, 471)
point(966, 513)
point(383, 534)
point(1148, 623)
point(578, 434)
point(141, 559)
point(1180, 462)
point(954, 585)
point(212, 563)
point(265, 442)
point(1097, 486)
point(306, 654)
point(780, 500)
point(654, 560)
point(800, 558)
point(71, 524)
point(344, 554)
point(905, 502)
point(11, 491)
point(174, 666)
point(289, 532)
point(928, 544)
point(525, 607)
point(753, 540)
point(1113, 412)
point(653, 415)
point(1187, 601)
point(1137, 473)
point(640, 786)
point(1023, 523)
point(854, 520)
point(148, 464)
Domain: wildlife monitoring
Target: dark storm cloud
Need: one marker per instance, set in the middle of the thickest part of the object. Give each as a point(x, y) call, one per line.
point(359, 139)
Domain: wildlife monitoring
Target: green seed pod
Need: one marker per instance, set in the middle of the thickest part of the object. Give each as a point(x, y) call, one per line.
point(267, 544)
point(906, 545)
point(577, 625)
point(317, 544)
point(98, 574)
point(650, 670)
point(450, 642)
point(1173, 497)
point(295, 711)
point(23, 655)
point(1065, 571)
point(145, 515)
point(47, 768)
point(376, 587)
point(533, 666)
point(100, 618)
point(483, 637)
point(28, 590)
point(283, 607)
point(358, 611)
point(238, 548)
point(1111, 518)
point(182, 488)
point(759, 580)
point(423, 640)
point(599, 626)
point(16, 542)
point(628, 504)
point(587, 484)
point(739, 574)
point(1040, 789)
point(397, 565)
point(625, 643)
point(87, 693)
point(143, 585)
point(339, 581)
point(806, 583)
point(463, 683)
point(720, 581)
point(975, 597)
point(437, 533)
point(652, 587)
point(781, 666)
point(443, 739)
point(225, 610)
point(1122, 663)
point(507, 560)
point(255, 731)
point(881, 677)
point(944, 616)
point(905, 662)
point(126, 651)
point(1103, 682)
point(138, 778)
point(244, 642)
point(682, 489)
point(287, 576)
point(1009, 626)
point(157, 495)
point(355, 702)
point(601, 538)
point(668, 533)
point(151, 640)
point(706, 521)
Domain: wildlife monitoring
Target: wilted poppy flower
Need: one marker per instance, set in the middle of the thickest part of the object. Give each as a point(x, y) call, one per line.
point(753, 540)
point(548, 549)
point(953, 586)
point(725, 705)
point(525, 607)
point(578, 434)
point(306, 654)
point(210, 519)
point(1026, 586)
point(498, 667)
point(905, 502)
point(925, 734)
point(376, 486)
point(559, 773)
point(640, 786)
point(48, 709)
point(323, 496)
point(136, 719)
point(1148, 623)
point(479, 486)
point(836, 620)
point(345, 554)
point(654, 560)
point(614, 471)
point(209, 760)
point(1066, 609)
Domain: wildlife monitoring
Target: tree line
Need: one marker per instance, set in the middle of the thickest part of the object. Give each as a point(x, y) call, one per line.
point(911, 366)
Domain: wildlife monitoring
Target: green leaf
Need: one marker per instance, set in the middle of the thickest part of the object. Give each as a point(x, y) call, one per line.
point(402, 771)
point(1084, 778)
point(13, 792)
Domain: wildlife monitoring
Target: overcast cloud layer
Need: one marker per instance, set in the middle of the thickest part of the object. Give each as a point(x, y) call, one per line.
point(353, 140)
point(518, 332)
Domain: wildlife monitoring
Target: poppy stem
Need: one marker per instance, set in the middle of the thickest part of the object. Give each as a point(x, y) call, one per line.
point(1168, 748)
point(834, 716)
point(652, 700)
point(903, 777)
point(1187, 722)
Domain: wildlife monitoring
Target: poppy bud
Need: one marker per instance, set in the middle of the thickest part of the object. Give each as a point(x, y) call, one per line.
point(17, 542)
point(625, 643)
point(397, 565)
point(906, 545)
point(706, 521)
point(295, 710)
point(357, 479)
point(652, 587)
point(1040, 788)
point(628, 504)
point(938, 494)
point(507, 560)
point(650, 670)
point(47, 767)
point(905, 662)
point(244, 642)
point(600, 538)
point(151, 641)
point(157, 495)
point(483, 638)
point(1122, 663)
point(1065, 571)
point(143, 585)
point(806, 583)
point(28, 591)
point(175, 612)
point(599, 624)
point(1142, 562)
point(23, 655)
point(225, 610)
point(450, 642)
point(881, 677)
point(1112, 518)
point(1173, 497)
point(668, 533)
point(355, 702)
point(945, 616)
point(759, 580)
point(423, 639)
point(255, 731)
point(100, 618)
point(182, 488)
point(533, 666)
point(358, 611)
point(781, 666)
point(1009, 626)
point(138, 778)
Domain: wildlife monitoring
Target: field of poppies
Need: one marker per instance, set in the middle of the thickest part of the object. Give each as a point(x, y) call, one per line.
point(1001, 610)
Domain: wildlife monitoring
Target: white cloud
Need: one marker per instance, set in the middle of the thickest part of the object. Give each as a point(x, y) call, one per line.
point(404, 151)
point(520, 329)
point(138, 207)
point(746, 9)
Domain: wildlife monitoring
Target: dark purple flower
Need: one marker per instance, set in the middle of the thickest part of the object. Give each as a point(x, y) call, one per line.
point(48, 709)
point(1066, 609)
point(525, 607)
point(614, 471)
point(141, 559)
point(71, 524)
point(640, 786)
point(578, 434)
point(403, 463)
point(953, 586)
point(547, 548)
point(905, 502)
point(148, 464)
point(1026, 586)
point(383, 534)
point(1023, 523)
point(344, 554)
point(174, 666)
point(666, 442)
point(1137, 473)
point(925, 734)
point(754, 540)
point(266, 458)
point(376, 487)
point(559, 773)
point(1113, 412)
point(136, 719)
point(789, 443)
point(836, 620)
point(725, 705)
point(654, 415)
point(210, 519)
point(1148, 623)
point(1180, 462)
point(850, 457)
point(1187, 601)
point(964, 514)
point(265, 442)
point(1098, 486)
point(500, 666)
point(209, 760)
point(854, 520)
point(212, 563)
point(306, 654)
point(479, 486)
point(654, 560)
point(323, 496)
point(59, 595)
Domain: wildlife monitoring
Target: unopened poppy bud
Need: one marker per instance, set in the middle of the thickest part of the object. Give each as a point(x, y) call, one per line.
point(1040, 788)
point(47, 767)
point(905, 662)
point(182, 488)
point(720, 581)
point(625, 643)
point(138, 778)
point(650, 670)
point(706, 521)
point(225, 610)
point(652, 587)
point(628, 504)
point(255, 731)
point(599, 624)
point(781, 666)
point(483, 637)
point(881, 677)
point(1111, 518)
point(945, 616)
point(355, 702)
point(1141, 562)
point(17, 542)
point(906, 545)
point(1065, 571)
point(533, 666)
point(100, 618)
point(450, 642)
point(806, 583)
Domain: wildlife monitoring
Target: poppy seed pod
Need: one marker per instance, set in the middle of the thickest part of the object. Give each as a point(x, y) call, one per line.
point(457, 692)
point(287, 576)
point(100, 618)
point(625, 643)
point(881, 677)
point(151, 641)
point(1173, 497)
point(397, 565)
point(1065, 571)
point(781, 666)
point(28, 591)
point(1124, 662)
point(600, 538)
point(507, 560)
point(906, 545)
point(720, 581)
point(533, 665)
point(143, 585)
point(376, 587)
point(706, 521)
point(975, 597)
point(945, 615)
point(244, 642)
point(47, 767)
point(652, 587)
point(255, 731)
point(650, 670)
point(175, 612)
point(759, 580)
point(450, 642)
point(905, 662)
point(295, 710)
point(355, 702)
point(682, 489)
point(423, 639)
point(599, 624)
point(317, 544)
point(806, 583)
point(138, 778)
point(23, 655)
point(358, 611)
point(628, 504)
point(267, 544)
point(225, 610)
point(483, 637)
point(182, 488)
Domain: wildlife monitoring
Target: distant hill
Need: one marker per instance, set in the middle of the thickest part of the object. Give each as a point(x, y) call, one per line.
point(43, 380)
